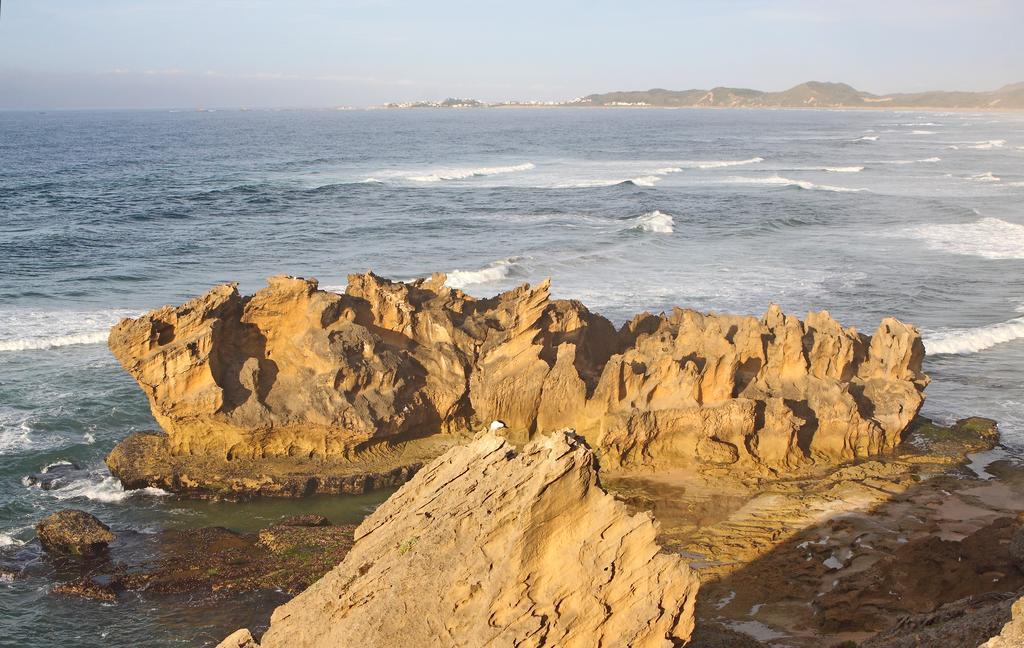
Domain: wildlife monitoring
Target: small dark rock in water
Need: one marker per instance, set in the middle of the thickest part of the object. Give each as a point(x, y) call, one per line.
point(74, 532)
point(305, 520)
point(86, 588)
point(52, 476)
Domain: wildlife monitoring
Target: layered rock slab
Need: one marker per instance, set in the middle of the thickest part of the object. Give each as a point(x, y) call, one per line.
point(485, 546)
point(300, 375)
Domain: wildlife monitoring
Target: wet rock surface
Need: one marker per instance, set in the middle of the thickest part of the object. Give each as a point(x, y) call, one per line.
point(74, 532)
point(206, 562)
point(886, 551)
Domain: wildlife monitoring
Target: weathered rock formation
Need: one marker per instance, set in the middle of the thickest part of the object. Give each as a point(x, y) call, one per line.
point(73, 532)
point(488, 547)
point(300, 376)
point(1012, 634)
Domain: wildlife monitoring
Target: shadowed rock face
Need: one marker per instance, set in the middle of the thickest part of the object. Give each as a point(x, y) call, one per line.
point(296, 373)
point(485, 546)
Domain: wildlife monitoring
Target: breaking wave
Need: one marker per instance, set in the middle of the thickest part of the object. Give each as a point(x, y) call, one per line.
point(988, 237)
point(34, 344)
point(721, 164)
point(655, 221)
point(922, 132)
point(986, 145)
point(644, 181)
point(973, 340)
point(108, 490)
point(846, 169)
point(925, 160)
point(23, 330)
point(463, 174)
point(988, 176)
point(779, 181)
point(495, 271)
point(867, 138)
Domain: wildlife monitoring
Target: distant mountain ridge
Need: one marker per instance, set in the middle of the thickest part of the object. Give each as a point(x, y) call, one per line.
point(812, 94)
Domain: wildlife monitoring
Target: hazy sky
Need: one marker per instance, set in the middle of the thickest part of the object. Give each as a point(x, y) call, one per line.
point(219, 53)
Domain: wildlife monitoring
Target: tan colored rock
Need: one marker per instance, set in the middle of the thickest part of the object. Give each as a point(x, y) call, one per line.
point(320, 379)
point(1012, 635)
point(486, 547)
point(239, 639)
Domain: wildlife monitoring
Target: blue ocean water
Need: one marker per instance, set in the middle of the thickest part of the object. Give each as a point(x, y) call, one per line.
point(107, 214)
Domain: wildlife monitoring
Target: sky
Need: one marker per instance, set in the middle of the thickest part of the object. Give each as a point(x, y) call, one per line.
point(58, 54)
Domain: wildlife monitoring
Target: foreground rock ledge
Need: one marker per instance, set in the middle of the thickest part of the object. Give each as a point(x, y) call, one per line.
point(488, 547)
point(294, 383)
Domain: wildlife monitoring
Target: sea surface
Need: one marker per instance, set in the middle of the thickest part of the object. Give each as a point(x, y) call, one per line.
point(108, 214)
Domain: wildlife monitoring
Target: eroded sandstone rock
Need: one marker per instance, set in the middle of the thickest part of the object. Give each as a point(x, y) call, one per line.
point(485, 546)
point(296, 374)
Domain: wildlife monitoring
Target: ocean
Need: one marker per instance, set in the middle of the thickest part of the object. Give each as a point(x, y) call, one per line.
point(918, 215)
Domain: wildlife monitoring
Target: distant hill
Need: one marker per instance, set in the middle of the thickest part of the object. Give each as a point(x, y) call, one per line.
point(813, 94)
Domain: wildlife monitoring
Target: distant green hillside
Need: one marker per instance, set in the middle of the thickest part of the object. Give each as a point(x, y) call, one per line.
point(813, 94)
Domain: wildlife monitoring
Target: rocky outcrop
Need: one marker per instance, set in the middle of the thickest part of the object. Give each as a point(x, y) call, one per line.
point(312, 379)
point(485, 546)
point(1012, 635)
point(74, 532)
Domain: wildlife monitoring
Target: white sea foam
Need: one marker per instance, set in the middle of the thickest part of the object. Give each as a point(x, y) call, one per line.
point(465, 173)
point(987, 145)
point(846, 169)
point(925, 160)
point(645, 181)
point(585, 184)
point(655, 221)
point(108, 489)
point(973, 340)
point(867, 138)
point(721, 164)
point(15, 432)
point(28, 330)
point(988, 237)
point(922, 132)
point(7, 540)
point(50, 466)
point(988, 176)
point(789, 182)
point(495, 271)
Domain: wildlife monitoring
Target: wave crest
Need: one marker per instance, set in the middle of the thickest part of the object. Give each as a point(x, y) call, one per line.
point(463, 174)
point(989, 237)
point(108, 490)
point(780, 181)
point(495, 271)
point(974, 340)
point(987, 145)
point(25, 330)
point(655, 221)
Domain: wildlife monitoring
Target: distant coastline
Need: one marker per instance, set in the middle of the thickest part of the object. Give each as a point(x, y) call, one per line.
point(809, 95)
